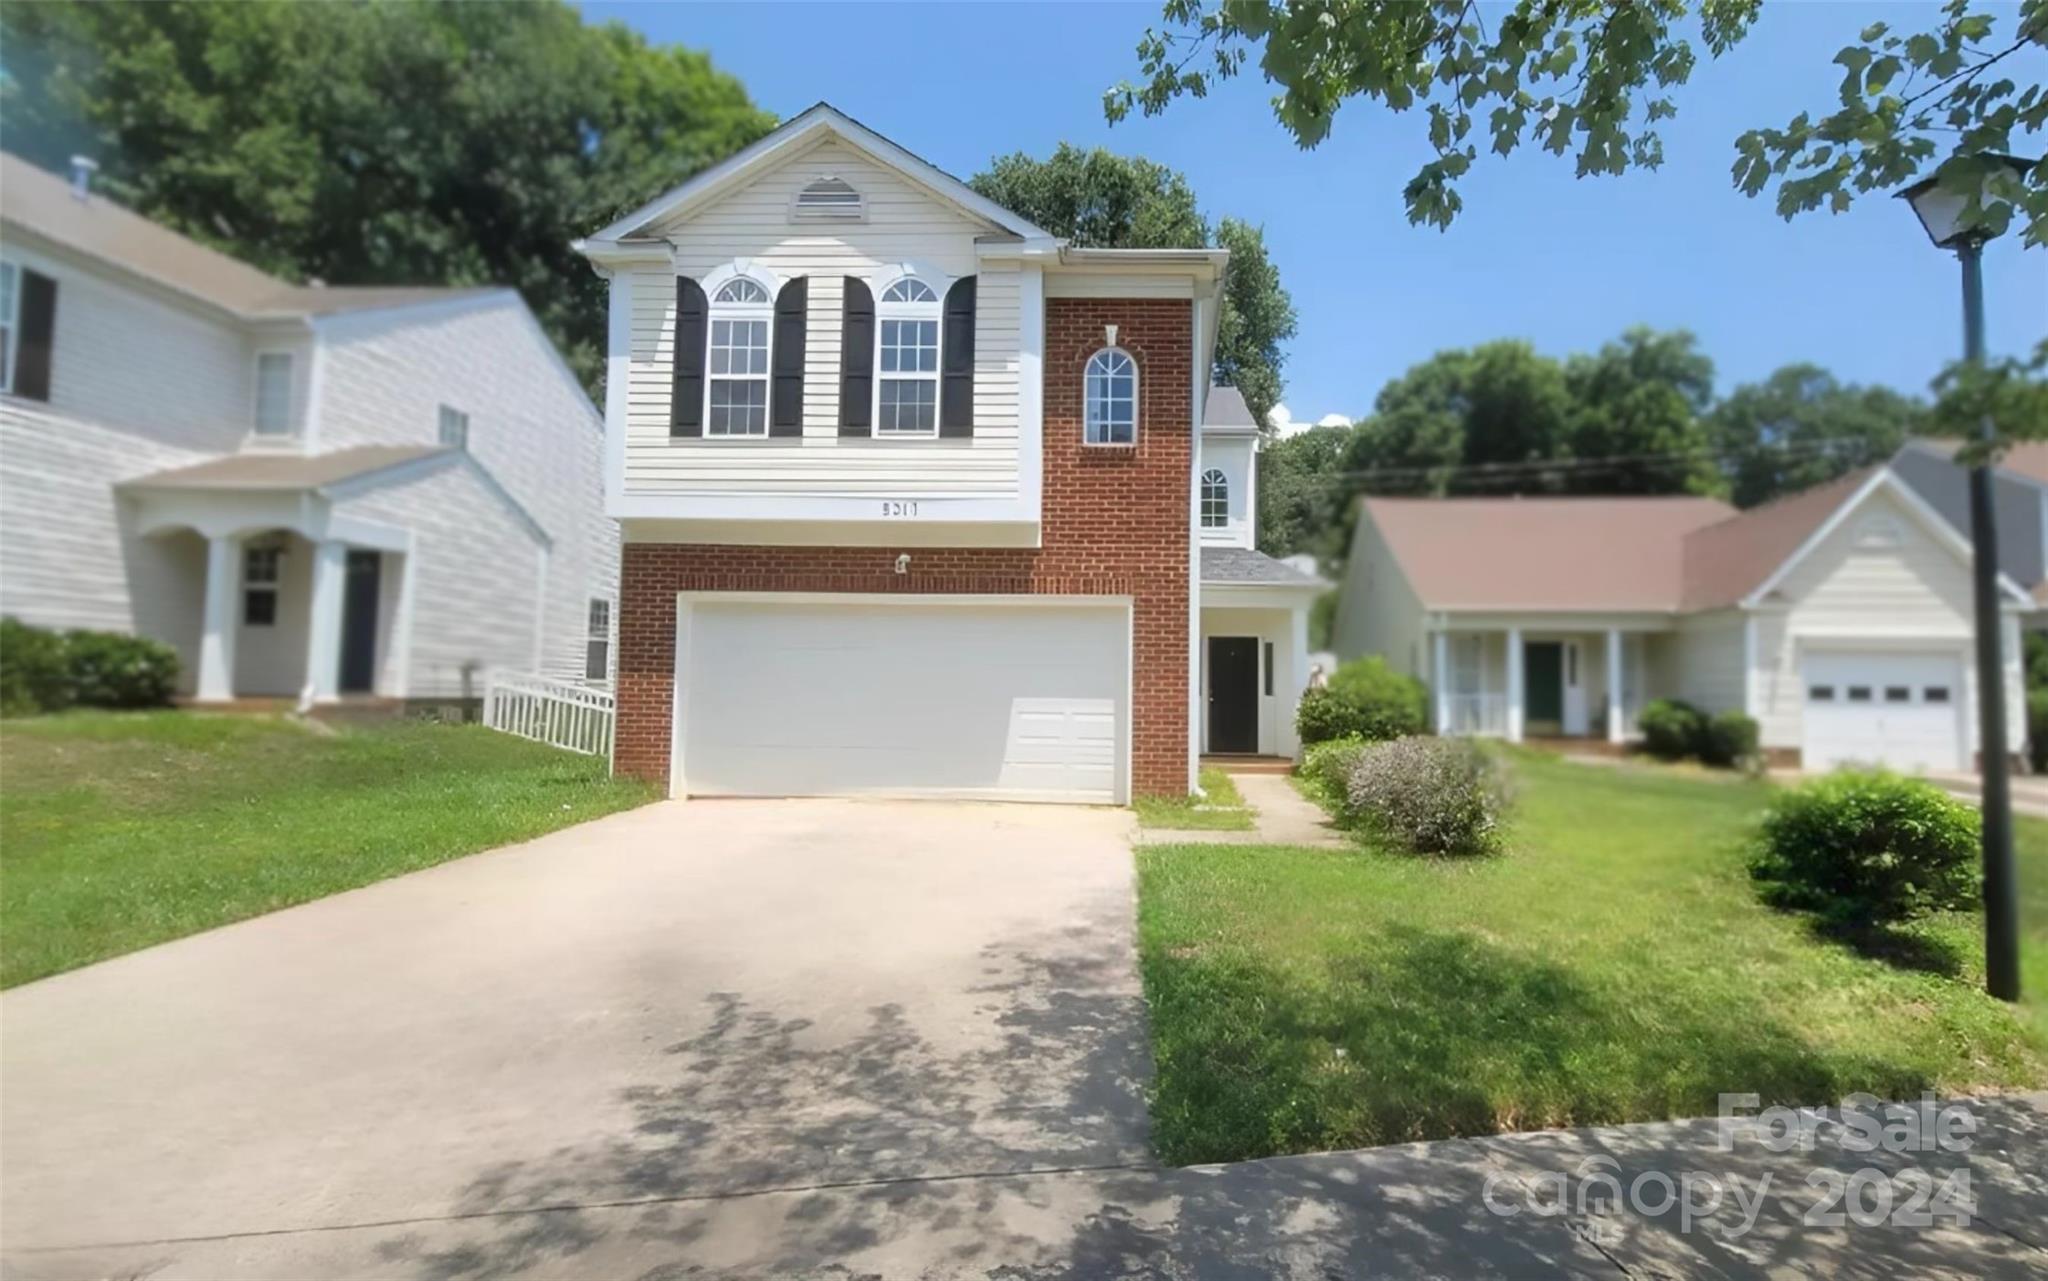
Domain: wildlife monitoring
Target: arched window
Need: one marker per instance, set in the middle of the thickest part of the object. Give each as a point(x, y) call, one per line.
point(736, 376)
point(1215, 499)
point(828, 200)
point(907, 359)
point(1110, 399)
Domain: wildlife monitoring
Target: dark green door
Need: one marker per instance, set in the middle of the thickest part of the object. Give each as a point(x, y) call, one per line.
point(1543, 666)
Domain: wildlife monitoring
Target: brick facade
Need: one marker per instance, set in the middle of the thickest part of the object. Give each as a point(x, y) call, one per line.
point(1115, 523)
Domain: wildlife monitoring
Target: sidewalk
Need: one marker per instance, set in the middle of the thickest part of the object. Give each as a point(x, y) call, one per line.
point(1282, 816)
point(1456, 1208)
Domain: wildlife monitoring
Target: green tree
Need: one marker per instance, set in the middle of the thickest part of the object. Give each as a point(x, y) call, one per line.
point(1098, 198)
point(1799, 428)
point(1300, 492)
point(391, 143)
point(1638, 417)
point(1592, 79)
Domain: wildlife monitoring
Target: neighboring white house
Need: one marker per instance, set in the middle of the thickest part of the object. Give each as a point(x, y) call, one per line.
point(1840, 617)
point(309, 492)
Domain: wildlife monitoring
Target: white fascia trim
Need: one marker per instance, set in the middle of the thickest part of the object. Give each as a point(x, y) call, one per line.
point(1198, 376)
point(865, 509)
point(618, 373)
point(1258, 595)
point(1031, 390)
point(1930, 521)
point(792, 138)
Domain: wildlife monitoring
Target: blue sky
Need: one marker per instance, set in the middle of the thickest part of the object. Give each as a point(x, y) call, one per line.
point(1537, 254)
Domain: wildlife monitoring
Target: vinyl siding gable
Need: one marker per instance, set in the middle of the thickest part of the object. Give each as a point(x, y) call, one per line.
point(904, 226)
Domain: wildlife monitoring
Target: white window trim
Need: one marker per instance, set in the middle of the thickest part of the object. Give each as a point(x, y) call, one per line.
point(1222, 483)
point(441, 410)
point(291, 388)
point(715, 311)
point(1136, 400)
point(13, 323)
point(934, 311)
point(595, 635)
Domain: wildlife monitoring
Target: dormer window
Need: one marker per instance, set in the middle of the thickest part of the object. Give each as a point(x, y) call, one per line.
point(907, 360)
point(828, 200)
point(1215, 499)
point(1110, 399)
point(736, 382)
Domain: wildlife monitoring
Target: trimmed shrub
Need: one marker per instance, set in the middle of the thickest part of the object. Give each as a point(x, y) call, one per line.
point(1326, 769)
point(1365, 699)
point(111, 670)
point(1672, 729)
point(1729, 740)
point(1867, 847)
point(33, 672)
point(1430, 795)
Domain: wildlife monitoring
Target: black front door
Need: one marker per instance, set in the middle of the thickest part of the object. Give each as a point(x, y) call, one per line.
point(359, 623)
point(1233, 694)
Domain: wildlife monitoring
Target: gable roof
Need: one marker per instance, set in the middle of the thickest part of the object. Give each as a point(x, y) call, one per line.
point(2024, 460)
point(1725, 562)
point(1565, 554)
point(1226, 409)
point(793, 136)
point(1234, 566)
point(43, 203)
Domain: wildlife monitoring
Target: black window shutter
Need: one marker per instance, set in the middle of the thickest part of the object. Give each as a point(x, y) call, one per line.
point(38, 328)
point(857, 359)
point(786, 385)
point(956, 380)
point(686, 383)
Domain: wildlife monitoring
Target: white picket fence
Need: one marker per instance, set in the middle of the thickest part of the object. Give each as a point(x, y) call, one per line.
point(579, 718)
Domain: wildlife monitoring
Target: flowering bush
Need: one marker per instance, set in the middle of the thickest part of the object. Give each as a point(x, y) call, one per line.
point(1430, 795)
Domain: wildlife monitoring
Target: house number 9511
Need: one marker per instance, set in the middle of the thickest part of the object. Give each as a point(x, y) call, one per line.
point(891, 507)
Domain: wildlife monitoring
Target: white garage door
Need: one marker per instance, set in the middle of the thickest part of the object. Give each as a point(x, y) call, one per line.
point(1015, 701)
point(1898, 709)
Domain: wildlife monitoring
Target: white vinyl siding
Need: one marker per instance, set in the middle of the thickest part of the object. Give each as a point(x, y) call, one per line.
point(1880, 580)
point(1377, 611)
point(903, 224)
point(1705, 657)
point(387, 375)
point(274, 379)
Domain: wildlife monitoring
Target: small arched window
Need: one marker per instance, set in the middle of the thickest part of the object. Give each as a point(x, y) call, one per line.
point(907, 359)
point(1109, 395)
point(828, 200)
point(736, 373)
point(1215, 499)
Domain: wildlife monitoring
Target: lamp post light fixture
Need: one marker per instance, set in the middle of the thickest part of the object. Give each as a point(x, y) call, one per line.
point(1942, 209)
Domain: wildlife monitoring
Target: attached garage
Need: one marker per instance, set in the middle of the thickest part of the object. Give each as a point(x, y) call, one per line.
point(1905, 710)
point(1004, 698)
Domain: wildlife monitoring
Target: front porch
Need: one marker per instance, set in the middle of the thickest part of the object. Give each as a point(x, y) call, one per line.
point(1548, 682)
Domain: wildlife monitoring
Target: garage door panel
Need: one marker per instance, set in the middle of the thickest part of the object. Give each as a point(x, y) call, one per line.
point(1898, 709)
point(905, 698)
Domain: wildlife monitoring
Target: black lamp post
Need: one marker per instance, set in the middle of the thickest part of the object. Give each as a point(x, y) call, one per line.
point(1941, 209)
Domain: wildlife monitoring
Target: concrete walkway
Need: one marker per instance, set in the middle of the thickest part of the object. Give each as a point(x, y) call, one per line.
point(1282, 817)
point(1420, 1210)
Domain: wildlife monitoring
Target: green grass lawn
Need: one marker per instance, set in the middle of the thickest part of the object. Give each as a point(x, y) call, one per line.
point(1613, 966)
point(122, 830)
point(1220, 809)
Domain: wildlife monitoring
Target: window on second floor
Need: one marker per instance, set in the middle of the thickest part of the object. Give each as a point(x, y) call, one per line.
point(736, 382)
point(907, 360)
point(1110, 399)
point(453, 429)
point(597, 643)
point(273, 393)
point(1215, 499)
point(10, 321)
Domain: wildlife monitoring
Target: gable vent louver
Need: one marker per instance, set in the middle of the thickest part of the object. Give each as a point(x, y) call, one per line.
point(828, 200)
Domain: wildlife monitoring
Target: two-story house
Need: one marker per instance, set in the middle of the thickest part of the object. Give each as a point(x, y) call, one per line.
point(910, 493)
point(310, 492)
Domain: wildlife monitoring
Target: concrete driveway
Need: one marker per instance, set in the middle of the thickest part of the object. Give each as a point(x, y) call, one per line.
point(671, 1006)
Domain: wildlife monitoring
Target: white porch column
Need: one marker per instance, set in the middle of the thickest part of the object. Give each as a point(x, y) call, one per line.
point(1615, 719)
point(1297, 661)
point(217, 625)
point(323, 623)
point(1514, 684)
point(1443, 681)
